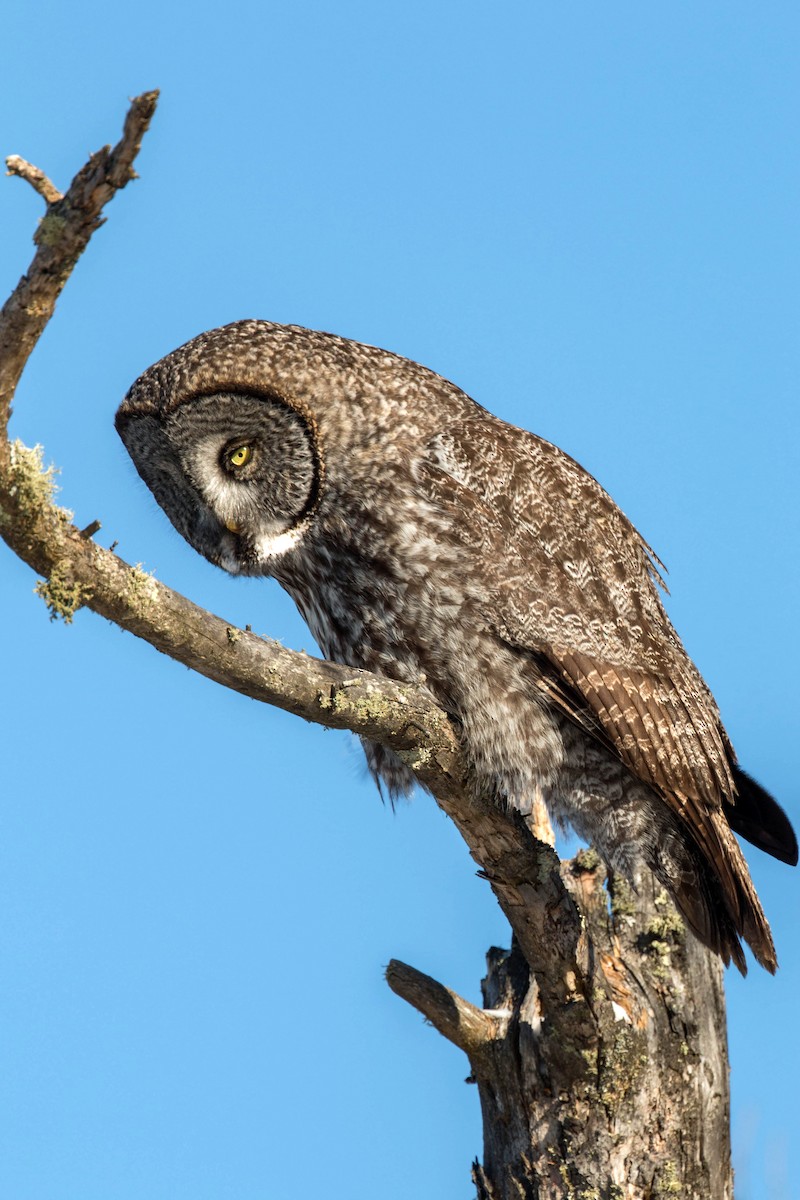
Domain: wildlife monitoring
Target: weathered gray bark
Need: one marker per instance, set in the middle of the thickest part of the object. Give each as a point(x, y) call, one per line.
point(622, 1091)
point(600, 1055)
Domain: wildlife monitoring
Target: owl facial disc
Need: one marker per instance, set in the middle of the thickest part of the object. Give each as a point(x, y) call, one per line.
point(235, 473)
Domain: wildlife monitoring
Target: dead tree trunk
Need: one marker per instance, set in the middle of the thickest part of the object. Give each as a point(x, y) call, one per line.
point(619, 1091)
point(600, 1055)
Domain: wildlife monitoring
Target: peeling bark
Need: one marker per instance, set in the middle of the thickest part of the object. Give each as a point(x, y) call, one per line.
point(600, 1055)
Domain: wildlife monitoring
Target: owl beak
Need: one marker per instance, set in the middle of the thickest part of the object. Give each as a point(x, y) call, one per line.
point(232, 527)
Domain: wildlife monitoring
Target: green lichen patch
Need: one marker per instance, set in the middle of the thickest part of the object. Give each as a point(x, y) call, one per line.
point(621, 898)
point(416, 758)
point(51, 229)
point(663, 934)
point(587, 861)
point(666, 930)
point(369, 709)
point(668, 1183)
point(624, 1062)
point(33, 485)
point(142, 590)
point(62, 594)
point(660, 937)
point(573, 1192)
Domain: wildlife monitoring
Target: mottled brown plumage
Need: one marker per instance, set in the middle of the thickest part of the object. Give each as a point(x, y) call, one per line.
point(422, 537)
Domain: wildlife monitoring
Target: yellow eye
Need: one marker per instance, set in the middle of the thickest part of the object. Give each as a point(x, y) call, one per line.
point(239, 457)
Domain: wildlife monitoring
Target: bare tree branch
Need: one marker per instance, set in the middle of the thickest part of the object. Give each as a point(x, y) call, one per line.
point(460, 1022)
point(36, 178)
point(61, 238)
point(77, 573)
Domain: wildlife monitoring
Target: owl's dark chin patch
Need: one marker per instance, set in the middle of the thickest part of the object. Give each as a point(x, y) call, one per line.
point(228, 561)
point(237, 566)
point(236, 555)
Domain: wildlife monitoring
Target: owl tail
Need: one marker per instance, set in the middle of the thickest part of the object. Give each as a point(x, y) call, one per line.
point(759, 819)
point(712, 889)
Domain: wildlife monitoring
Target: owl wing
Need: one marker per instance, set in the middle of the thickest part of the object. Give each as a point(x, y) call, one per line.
point(572, 583)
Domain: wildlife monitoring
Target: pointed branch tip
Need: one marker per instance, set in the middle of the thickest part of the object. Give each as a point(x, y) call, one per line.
point(462, 1023)
point(35, 177)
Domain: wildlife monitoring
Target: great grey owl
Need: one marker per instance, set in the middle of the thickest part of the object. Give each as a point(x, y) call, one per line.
point(422, 537)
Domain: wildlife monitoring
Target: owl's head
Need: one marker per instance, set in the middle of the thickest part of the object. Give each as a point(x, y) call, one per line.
point(244, 432)
point(235, 464)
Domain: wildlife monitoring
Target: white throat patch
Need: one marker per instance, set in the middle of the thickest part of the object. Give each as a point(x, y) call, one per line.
point(268, 550)
point(276, 544)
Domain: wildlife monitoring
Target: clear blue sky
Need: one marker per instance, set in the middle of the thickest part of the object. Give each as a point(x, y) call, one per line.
point(585, 215)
